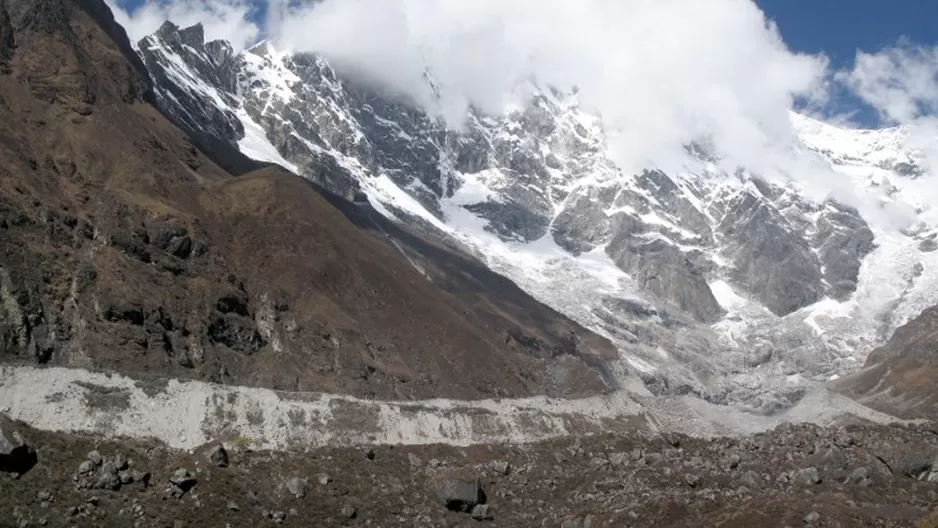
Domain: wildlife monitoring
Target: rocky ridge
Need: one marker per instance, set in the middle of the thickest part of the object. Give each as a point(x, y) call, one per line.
point(732, 287)
point(126, 246)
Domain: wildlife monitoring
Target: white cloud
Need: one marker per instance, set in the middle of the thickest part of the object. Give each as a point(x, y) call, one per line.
point(901, 83)
point(222, 19)
point(661, 72)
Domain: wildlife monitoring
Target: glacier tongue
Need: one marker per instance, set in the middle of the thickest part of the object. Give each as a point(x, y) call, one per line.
point(715, 283)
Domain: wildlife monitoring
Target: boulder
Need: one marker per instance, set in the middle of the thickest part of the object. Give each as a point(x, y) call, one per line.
point(15, 455)
point(502, 467)
point(482, 512)
point(298, 486)
point(95, 458)
point(182, 480)
point(806, 477)
point(218, 456)
point(459, 494)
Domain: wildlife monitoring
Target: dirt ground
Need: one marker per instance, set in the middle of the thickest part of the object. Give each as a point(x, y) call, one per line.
point(793, 476)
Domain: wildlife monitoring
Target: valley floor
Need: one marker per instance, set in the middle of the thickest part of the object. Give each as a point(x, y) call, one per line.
point(850, 476)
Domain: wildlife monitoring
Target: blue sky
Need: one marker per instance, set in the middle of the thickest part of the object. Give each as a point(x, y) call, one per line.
point(838, 28)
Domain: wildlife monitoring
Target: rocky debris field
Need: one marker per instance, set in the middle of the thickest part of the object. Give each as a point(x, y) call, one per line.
point(850, 476)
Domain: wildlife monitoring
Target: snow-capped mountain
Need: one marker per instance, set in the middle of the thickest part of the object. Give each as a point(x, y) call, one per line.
point(720, 284)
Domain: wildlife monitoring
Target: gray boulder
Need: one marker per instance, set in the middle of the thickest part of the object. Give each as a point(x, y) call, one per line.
point(15, 455)
point(501, 467)
point(182, 480)
point(95, 458)
point(459, 494)
point(482, 512)
point(298, 486)
point(218, 456)
point(806, 477)
point(860, 476)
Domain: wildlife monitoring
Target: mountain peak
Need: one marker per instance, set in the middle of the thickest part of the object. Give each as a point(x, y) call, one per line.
point(193, 35)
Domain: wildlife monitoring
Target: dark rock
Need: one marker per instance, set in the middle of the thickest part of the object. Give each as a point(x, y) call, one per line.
point(232, 304)
point(15, 455)
point(237, 333)
point(277, 516)
point(349, 512)
point(182, 480)
point(218, 456)
point(459, 494)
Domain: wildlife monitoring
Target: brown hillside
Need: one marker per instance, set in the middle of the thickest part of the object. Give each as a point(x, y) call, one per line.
point(899, 377)
point(122, 246)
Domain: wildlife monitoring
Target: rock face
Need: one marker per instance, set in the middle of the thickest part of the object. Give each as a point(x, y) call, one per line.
point(15, 456)
point(126, 245)
point(727, 267)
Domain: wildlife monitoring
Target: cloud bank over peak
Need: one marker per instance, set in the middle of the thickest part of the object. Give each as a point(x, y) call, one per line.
point(661, 73)
point(229, 20)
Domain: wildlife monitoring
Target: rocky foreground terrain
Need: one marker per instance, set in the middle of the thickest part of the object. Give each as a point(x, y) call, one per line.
point(847, 476)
